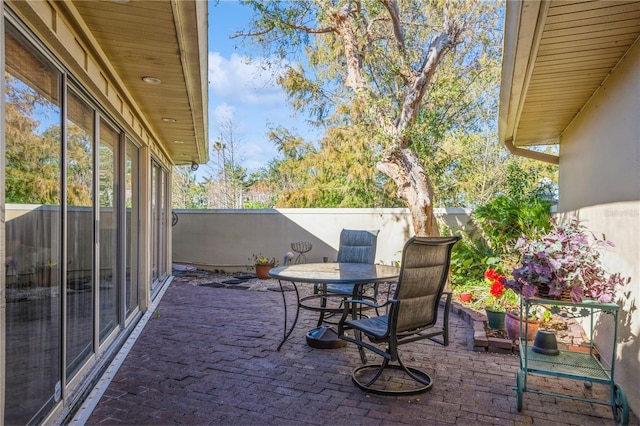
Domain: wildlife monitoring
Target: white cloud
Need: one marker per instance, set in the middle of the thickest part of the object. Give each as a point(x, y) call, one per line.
point(222, 112)
point(238, 81)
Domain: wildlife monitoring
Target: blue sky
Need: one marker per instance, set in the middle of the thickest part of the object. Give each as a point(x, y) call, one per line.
point(240, 90)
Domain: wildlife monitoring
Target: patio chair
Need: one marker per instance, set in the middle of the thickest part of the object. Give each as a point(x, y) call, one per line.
point(412, 316)
point(356, 246)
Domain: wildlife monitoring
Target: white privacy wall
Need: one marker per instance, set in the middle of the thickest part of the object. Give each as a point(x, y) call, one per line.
point(226, 239)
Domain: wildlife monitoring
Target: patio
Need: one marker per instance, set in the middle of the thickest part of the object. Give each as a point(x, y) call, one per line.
point(207, 356)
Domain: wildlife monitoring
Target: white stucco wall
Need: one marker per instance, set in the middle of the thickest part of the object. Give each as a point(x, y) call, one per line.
point(225, 239)
point(600, 183)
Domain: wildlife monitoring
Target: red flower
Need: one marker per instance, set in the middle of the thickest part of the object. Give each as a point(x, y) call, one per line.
point(497, 289)
point(492, 275)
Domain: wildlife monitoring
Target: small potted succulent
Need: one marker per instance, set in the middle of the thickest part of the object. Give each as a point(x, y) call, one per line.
point(263, 264)
point(564, 263)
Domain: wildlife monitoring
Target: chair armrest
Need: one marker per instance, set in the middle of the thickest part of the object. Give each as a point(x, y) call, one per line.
point(347, 307)
point(365, 302)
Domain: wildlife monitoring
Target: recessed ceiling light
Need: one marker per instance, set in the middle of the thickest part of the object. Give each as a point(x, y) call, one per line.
point(178, 142)
point(121, 1)
point(151, 80)
point(169, 120)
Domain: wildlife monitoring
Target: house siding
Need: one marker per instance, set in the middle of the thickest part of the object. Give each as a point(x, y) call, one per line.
point(599, 181)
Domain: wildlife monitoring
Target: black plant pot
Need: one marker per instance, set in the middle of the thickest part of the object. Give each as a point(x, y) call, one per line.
point(545, 343)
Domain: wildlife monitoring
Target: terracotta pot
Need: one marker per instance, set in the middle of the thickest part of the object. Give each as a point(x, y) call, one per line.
point(512, 323)
point(465, 297)
point(262, 271)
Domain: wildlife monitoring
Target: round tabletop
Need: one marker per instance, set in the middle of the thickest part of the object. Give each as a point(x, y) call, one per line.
point(336, 273)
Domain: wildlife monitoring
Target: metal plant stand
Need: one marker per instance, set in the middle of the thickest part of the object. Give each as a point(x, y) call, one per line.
point(572, 365)
point(301, 247)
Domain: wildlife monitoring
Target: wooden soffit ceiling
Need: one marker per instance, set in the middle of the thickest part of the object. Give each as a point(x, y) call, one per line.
point(165, 40)
point(557, 54)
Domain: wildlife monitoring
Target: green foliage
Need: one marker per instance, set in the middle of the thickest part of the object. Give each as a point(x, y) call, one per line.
point(499, 224)
point(470, 257)
point(340, 173)
point(186, 192)
point(504, 219)
point(32, 155)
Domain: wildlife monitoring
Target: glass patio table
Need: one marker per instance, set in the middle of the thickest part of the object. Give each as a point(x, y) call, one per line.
point(356, 274)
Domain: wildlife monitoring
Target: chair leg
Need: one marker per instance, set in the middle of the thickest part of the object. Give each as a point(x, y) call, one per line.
point(416, 374)
point(363, 355)
point(385, 363)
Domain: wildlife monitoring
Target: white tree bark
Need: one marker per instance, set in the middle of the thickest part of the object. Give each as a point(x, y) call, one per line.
point(414, 187)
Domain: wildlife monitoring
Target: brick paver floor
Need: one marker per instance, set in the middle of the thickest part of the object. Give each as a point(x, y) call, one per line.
point(207, 356)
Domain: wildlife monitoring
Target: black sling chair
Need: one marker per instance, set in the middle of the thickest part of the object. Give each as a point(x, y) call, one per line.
point(412, 315)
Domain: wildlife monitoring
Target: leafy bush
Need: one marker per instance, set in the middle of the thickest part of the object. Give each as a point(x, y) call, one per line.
point(503, 220)
point(499, 224)
point(470, 257)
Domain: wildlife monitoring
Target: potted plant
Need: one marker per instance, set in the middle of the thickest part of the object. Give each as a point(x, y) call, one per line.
point(498, 300)
point(564, 263)
point(263, 264)
point(513, 326)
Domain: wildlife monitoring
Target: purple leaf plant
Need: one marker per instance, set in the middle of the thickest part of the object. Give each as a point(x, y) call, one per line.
point(568, 257)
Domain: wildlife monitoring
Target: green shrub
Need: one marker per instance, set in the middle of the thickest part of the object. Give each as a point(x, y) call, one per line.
point(469, 259)
point(499, 224)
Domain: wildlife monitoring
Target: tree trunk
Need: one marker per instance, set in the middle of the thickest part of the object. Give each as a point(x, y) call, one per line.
point(414, 187)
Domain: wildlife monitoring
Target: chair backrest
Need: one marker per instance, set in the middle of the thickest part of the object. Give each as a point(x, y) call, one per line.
point(357, 246)
point(423, 274)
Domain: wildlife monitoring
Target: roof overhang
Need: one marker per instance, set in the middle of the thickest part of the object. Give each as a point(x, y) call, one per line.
point(166, 40)
point(557, 54)
point(111, 45)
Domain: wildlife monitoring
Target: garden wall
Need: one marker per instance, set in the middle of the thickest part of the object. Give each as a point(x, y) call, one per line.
point(226, 239)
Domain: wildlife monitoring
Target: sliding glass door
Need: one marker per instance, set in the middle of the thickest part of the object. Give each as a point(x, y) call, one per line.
point(159, 211)
point(72, 221)
point(33, 157)
point(79, 223)
point(108, 229)
point(132, 224)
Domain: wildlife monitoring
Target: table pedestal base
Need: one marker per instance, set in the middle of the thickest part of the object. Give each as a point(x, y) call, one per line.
point(324, 337)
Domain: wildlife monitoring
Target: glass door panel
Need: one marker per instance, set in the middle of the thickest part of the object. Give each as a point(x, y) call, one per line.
point(162, 223)
point(159, 211)
point(80, 223)
point(155, 214)
point(108, 229)
point(131, 176)
point(32, 189)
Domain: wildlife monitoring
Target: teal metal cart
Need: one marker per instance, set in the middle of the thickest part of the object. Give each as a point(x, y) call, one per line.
point(572, 365)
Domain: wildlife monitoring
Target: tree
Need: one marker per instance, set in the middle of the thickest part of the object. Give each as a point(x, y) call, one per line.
point(373, 64)
point(226, 182)
point(340, 172)
point(186, 193)
point(33, 151)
